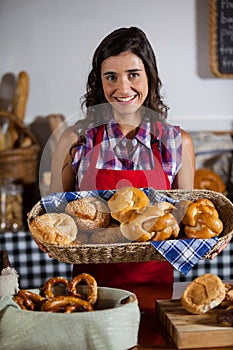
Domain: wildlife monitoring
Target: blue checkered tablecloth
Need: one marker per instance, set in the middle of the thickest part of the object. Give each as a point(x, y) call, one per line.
point(34, 266)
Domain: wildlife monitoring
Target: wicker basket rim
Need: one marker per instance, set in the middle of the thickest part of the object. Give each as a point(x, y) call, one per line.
point(20, 151)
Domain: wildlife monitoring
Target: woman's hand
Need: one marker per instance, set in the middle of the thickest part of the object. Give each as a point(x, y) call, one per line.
point(41, 246)
point(220, 249)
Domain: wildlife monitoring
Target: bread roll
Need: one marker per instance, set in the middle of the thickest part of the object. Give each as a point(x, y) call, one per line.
point(207, 179)
point(127, 201)
point(203, 293)
point(89, 213)
point(225, 318)
point(82, 237)
point(109, 235)
point(228, 300)
point(53, 228)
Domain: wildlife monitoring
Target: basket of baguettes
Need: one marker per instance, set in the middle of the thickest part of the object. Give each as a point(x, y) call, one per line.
point(19, 148)
point(119, 225)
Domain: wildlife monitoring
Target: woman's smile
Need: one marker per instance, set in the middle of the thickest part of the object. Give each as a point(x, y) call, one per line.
point(126, 99)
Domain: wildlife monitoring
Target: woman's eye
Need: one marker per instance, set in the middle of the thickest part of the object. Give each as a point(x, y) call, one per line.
point(111, 77)
point(133, 75)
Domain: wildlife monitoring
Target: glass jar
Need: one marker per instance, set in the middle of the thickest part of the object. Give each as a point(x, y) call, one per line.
point(11, 207)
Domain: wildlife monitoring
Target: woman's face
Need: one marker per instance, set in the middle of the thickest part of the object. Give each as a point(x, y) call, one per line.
point(125, 83)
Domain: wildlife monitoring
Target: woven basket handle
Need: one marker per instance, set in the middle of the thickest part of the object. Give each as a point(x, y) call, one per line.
point(13, 133)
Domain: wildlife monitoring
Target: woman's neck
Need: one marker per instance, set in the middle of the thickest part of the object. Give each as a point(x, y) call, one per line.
point(128, 124)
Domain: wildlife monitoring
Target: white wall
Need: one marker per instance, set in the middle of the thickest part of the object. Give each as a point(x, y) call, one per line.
point(53, 40)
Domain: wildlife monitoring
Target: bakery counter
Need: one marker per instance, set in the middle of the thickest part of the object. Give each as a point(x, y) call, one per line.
point(152, 334)
point(33, 266)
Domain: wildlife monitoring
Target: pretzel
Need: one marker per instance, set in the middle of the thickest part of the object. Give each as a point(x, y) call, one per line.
point(28, 300)
point(47, 289)
point(202, 220)
point(72, 301)
point(20, 301)
point(91, 283)
point(67, 304)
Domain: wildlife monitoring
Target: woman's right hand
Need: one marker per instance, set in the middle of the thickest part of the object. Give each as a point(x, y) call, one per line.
point(41, 246)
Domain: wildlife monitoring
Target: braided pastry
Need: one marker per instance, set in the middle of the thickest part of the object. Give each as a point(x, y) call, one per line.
point(202, 220)
point(152, 222)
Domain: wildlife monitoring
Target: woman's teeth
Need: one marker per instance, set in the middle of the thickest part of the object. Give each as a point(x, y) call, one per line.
point(125, 99)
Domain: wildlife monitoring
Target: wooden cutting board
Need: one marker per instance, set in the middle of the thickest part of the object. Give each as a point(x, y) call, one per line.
point(190, 331)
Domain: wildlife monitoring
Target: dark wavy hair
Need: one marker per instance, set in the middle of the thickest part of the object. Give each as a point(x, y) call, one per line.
point(121, 40)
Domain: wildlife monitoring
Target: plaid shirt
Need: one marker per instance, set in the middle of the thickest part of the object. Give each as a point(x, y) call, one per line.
point(119, 153)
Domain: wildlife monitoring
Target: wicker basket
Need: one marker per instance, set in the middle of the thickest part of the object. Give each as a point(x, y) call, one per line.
point(19, 163)
point(137, 251)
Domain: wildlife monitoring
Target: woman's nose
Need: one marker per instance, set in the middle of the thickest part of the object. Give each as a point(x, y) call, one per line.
point(123, 85)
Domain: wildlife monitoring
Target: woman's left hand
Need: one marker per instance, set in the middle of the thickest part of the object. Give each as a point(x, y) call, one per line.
point(220, 249)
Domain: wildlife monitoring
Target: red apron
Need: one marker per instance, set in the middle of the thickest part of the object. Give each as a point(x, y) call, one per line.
point(120, 274)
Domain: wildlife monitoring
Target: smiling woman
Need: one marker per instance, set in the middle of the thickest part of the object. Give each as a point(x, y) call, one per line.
point(124, 140)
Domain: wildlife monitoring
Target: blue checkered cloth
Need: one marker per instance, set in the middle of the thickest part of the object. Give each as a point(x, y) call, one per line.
point(184, 254)
point(56, 202)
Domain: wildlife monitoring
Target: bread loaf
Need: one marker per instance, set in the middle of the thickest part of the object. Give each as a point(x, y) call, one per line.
point(203, 293)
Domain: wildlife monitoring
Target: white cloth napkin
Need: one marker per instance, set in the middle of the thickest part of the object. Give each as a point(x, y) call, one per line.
point(8, 281)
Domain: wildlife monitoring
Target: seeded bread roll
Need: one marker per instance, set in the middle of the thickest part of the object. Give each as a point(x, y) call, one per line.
point(203, 293)
point(89, 213)
point(55, 228)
